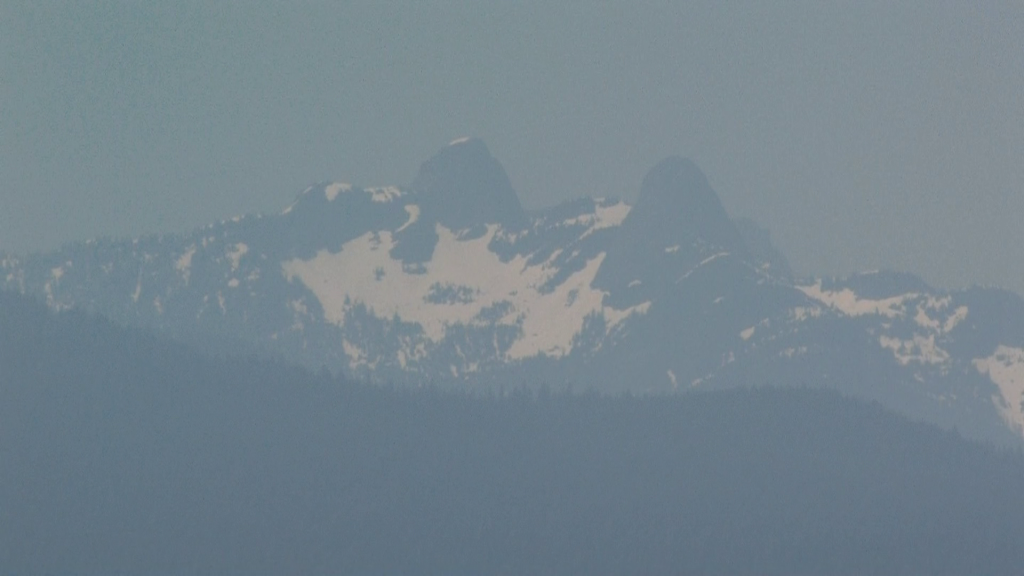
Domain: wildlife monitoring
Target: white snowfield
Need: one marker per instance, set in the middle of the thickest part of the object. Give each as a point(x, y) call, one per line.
point(931, 315)
point(331, 191)
point(384, 193)
point(919, 349)
point(363, 273)
point(606, 214)
point(1005, 367)
point(848, 303)
point(934, 318)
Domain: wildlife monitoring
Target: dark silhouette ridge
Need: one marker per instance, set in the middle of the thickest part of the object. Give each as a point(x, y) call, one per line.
point(126, 453)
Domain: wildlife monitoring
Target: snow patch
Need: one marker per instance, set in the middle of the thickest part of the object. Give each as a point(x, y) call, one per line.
point(672, 249)
point(1005, 367)
point(633, 284)
point(184, 263)
point(299, 310)
point(848, 303)
point(605, 215)
point(363, 273)
point(16, 273)
point(384, 194)
point(919, 349)
point(672, 379)
point(414, 214)
point(356, 356)
point(235, 255)
point(929, 312)
point(746, 334)
point(608, 216)
point(458, 141)
point(331, 191)
point(925, 320)
point(702, 263)
point(801, 313)
point(922, 319)
point(958, 316)
point(55, 275)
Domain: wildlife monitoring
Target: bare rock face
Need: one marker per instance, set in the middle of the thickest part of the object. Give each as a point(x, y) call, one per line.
point(464, 186)
point(676, 202)
point(677, 223)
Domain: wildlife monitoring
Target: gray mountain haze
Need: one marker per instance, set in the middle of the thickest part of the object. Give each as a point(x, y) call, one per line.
point(819, 120)
point(451, 287)
point(449, 281)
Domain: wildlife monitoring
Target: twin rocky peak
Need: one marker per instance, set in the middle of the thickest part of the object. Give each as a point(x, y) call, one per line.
point(463, 187)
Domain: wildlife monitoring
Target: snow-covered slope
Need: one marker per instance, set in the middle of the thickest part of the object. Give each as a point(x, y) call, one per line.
point(450, 281)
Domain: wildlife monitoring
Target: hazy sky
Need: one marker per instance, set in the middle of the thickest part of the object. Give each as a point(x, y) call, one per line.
point(864, 135)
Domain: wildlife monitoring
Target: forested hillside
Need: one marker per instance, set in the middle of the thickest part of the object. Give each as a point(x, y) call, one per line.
point(123, 452)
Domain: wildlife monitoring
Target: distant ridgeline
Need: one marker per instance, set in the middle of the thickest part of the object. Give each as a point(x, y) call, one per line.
point(449, 281)
point(124, 452)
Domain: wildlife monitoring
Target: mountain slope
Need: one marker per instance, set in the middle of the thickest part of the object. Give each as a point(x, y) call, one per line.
point(449, 281)
point(129, 453)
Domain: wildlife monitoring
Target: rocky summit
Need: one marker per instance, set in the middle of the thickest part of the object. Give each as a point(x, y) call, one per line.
point(448, 281)
point(463, 186)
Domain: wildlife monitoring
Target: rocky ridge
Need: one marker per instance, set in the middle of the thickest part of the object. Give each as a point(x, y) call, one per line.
point(450, 281)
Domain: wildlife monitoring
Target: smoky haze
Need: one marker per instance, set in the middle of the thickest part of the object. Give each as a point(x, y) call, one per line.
point(865, 135)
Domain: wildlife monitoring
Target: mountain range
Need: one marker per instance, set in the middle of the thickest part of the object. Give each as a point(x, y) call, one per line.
point(449, 281)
